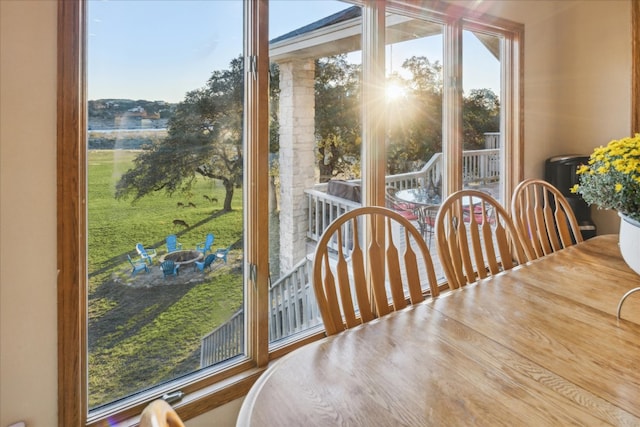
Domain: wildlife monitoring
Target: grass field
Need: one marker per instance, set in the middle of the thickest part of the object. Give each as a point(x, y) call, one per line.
point(139, 336)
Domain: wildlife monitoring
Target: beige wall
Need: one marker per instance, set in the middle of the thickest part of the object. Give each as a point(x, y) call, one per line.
point(28, 352)
point(577, 79)
point(577, 96)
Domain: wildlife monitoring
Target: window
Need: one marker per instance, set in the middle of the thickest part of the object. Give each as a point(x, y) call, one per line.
point(414, 89)
point(164, 193)
point(315, 162)
point(314, 111)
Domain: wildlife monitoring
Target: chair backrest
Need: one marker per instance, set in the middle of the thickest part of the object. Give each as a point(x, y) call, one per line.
point(168, 267)
point(544, 219)
point(476, 238)
point(208, 260)
point(205, 246)
point(160, 414)
point(339, 277)
point(427, 215)
point(208, 241)
point(140, 249)
point(222, 253)
point(172, 242)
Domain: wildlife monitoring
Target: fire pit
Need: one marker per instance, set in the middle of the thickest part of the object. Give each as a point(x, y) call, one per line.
point(183, 258)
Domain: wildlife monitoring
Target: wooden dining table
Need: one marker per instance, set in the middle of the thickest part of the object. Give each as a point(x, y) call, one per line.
point(539, 345)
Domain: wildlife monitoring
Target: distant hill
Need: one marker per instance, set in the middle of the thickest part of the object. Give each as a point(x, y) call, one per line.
point(106, 114)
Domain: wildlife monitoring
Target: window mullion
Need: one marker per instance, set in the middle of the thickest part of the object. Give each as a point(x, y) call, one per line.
point(452, 107)
point(511, 113)
point(373, 111)
point(256, 139)
point(373, 130)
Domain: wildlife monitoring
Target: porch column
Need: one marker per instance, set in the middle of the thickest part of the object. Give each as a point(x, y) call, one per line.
point(297, 154)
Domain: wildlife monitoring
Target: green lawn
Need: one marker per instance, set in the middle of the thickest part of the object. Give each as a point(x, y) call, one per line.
point(144, 335)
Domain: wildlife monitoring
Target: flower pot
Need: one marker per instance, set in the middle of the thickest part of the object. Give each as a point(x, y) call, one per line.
point(630, 242)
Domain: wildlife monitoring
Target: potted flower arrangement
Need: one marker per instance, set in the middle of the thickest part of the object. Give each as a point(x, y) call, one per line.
point(611, 180)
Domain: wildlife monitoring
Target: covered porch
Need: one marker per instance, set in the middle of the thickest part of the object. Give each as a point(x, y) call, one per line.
point(292, 305)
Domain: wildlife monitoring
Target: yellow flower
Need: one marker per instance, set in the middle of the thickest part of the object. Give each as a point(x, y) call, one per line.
point(611, 179)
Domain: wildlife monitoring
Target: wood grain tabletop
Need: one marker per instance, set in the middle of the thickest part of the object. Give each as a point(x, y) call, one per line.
point(538, 345)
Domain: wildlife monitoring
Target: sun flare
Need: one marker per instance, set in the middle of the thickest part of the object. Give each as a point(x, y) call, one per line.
point(394, 92)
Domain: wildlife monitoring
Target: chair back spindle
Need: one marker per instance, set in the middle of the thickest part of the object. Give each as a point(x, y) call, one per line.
point(544, 219)
point(476, 238)
point(357, 282)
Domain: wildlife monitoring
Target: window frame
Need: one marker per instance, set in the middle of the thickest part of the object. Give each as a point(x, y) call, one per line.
point(211, 387)
point(204, 390)
point(455, 20)
point(635, 65)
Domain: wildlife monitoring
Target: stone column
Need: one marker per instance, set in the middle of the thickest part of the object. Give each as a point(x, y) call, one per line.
point(297, 157)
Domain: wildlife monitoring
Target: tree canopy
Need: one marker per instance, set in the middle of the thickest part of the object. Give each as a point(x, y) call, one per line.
point(337, 117)
point(414, 126)
point(205, 132)
point(414, 131)
point(204, 138)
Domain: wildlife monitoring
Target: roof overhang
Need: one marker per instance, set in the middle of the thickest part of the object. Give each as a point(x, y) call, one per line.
point(329, 36)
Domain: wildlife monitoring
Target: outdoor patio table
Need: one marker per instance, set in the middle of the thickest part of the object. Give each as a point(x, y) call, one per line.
point(418, 196)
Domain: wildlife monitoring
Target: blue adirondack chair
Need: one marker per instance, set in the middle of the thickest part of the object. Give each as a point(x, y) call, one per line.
point(223, 252)
point(137, 266)
point(201, 265)
point(169, 268)
point(173, 244)
point(146, 255)
point(205, 246)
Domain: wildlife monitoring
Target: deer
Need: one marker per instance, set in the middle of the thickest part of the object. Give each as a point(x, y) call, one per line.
point(192, 205)
point(177, 222)
point(211, 199)
point(180, 205)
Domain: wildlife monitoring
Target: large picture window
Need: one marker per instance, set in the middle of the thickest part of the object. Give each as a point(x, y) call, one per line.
point(165, 188)
point(198, 167)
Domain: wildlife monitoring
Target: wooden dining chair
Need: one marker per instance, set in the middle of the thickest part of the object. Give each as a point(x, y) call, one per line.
point(476, 238)
point(544, 219)
point(160, 414)
point(398, 268)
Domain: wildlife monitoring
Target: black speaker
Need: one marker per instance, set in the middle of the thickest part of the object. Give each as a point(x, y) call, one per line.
point(580, 208)
point(560, 171)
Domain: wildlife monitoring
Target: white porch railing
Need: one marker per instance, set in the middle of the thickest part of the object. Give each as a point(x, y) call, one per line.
point(224, 342)
point(481, 165)
point(478, 166)
point(491, 140)
point(323, 209)
point(292, 303)
point(430, 172)
point(292, 308)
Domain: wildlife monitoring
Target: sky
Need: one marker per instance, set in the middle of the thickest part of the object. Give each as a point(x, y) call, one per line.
point(160, 50)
